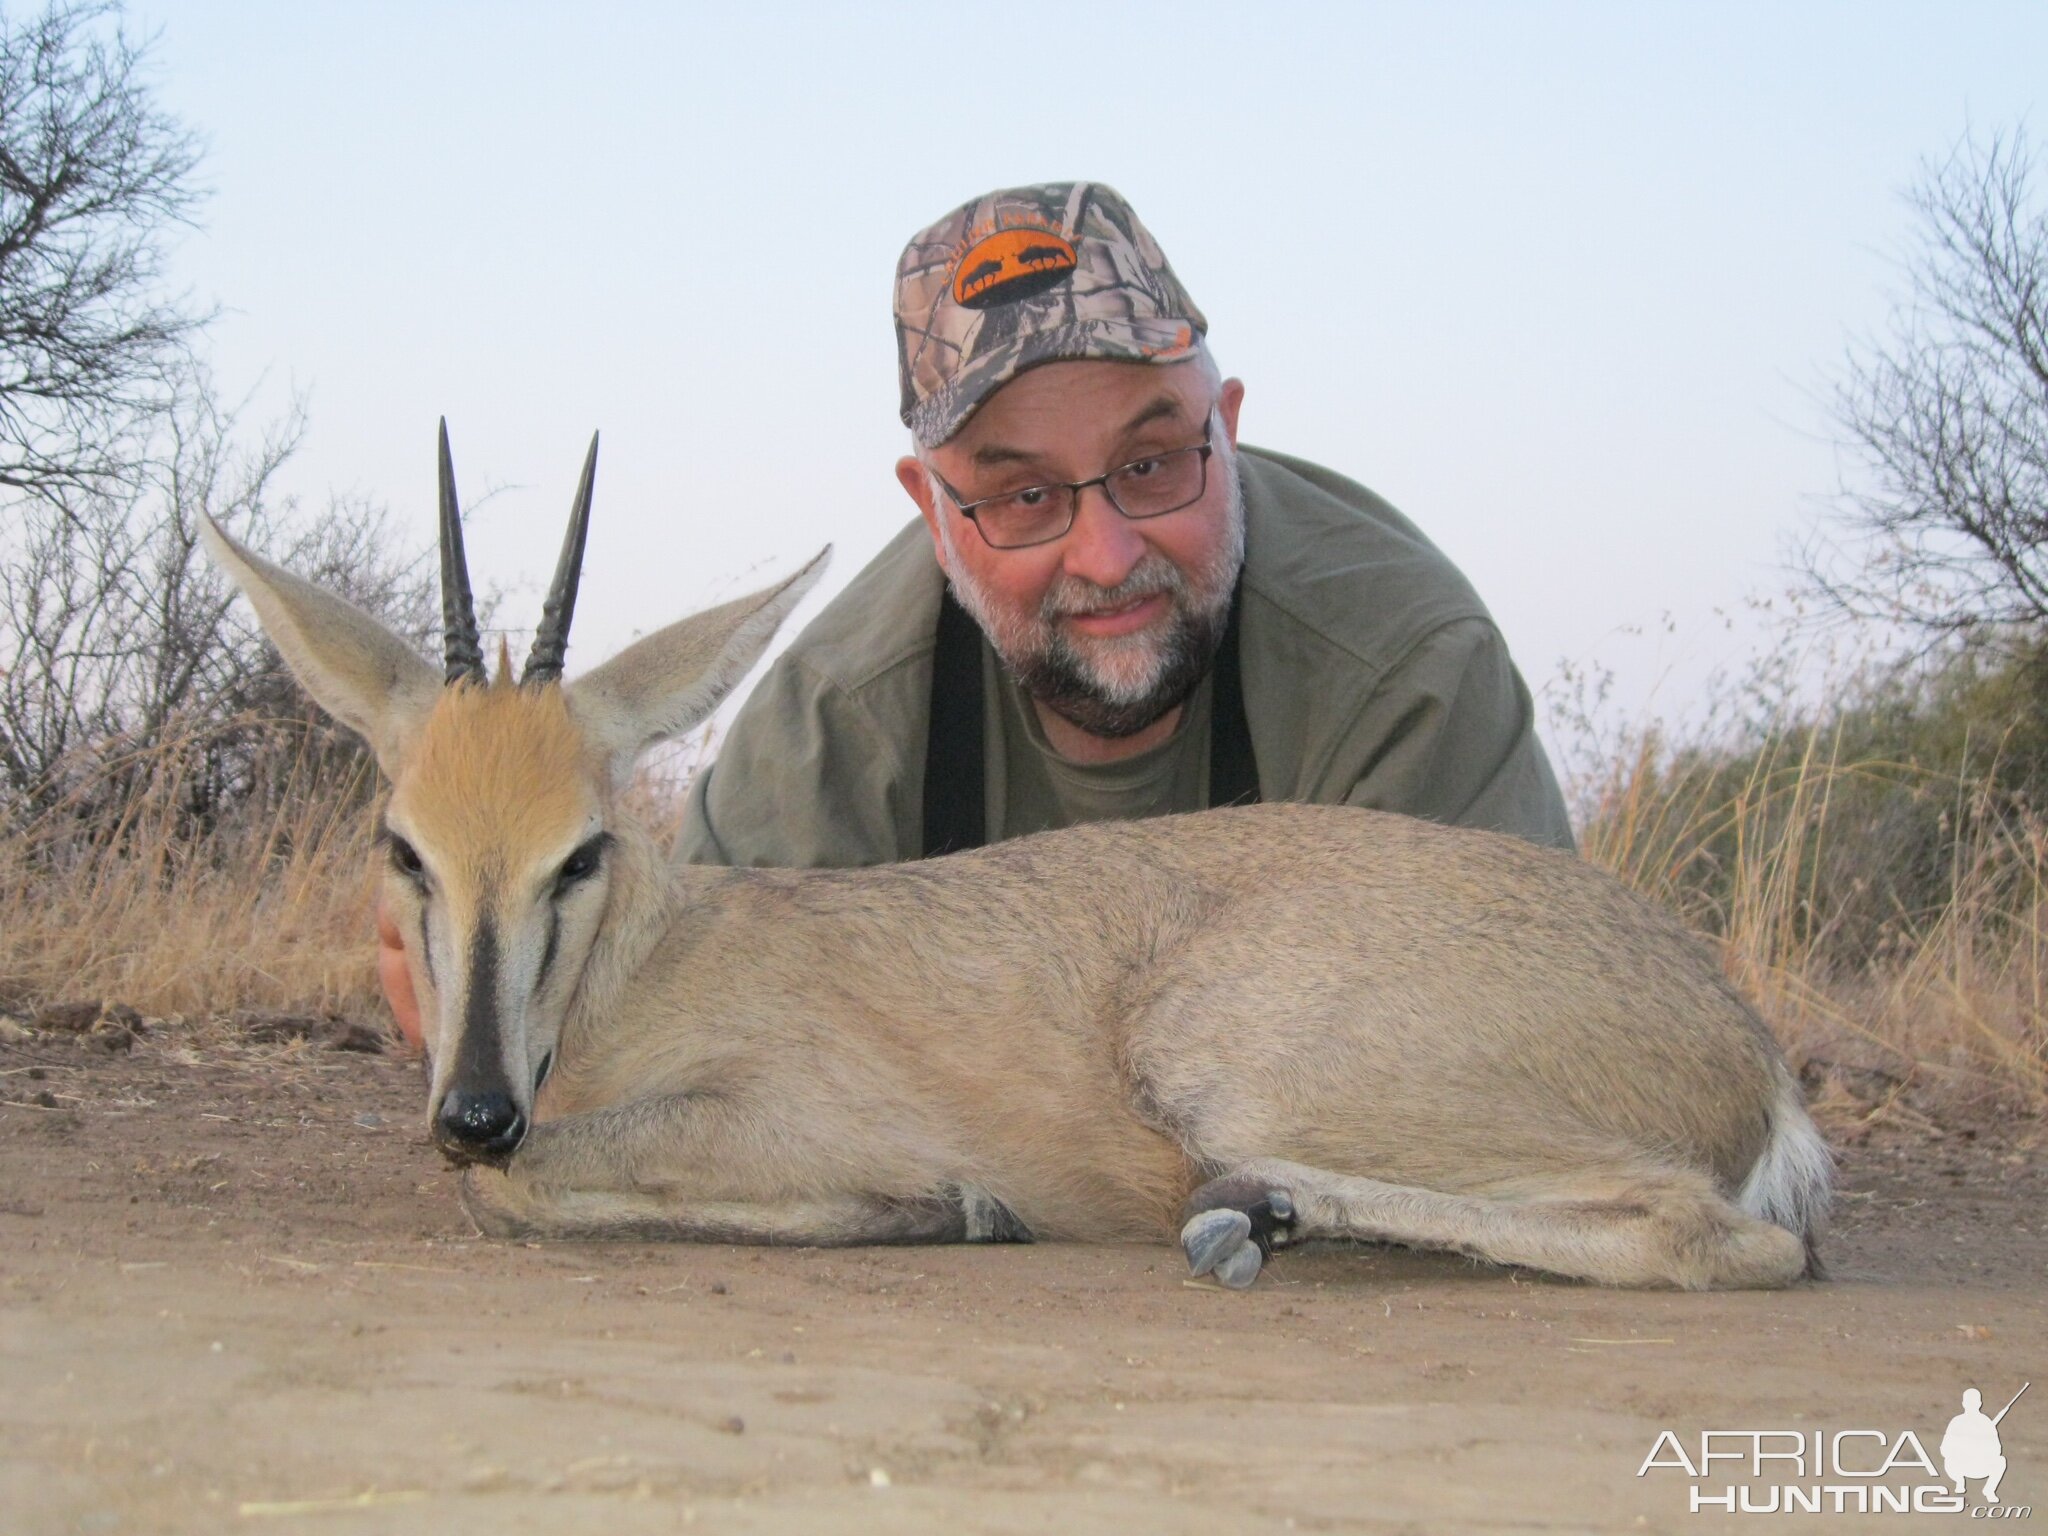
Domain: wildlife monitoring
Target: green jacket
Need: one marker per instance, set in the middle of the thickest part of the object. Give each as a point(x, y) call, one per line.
point(1373, 676)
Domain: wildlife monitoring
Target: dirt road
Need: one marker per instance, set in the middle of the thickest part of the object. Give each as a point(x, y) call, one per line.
point(236, 1293)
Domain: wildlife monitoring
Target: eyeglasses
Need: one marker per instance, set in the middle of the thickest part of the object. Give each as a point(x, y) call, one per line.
point(1152, 486)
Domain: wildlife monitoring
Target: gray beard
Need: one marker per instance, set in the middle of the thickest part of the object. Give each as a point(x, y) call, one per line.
point(1115, 688)
point(1063, 679)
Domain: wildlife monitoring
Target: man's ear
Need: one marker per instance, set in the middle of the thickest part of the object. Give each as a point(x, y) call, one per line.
point(355, 668)
point(916, 480)
point(668, 682)
point(1229, 400)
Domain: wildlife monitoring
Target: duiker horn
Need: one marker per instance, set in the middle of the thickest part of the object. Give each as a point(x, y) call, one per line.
point(462, 648)
point(551, 640)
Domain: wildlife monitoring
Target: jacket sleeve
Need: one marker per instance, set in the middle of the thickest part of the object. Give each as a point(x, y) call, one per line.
point(1449, 735)
point(804, 779)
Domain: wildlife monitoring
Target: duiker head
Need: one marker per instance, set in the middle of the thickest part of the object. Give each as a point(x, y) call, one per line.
point(502, 824)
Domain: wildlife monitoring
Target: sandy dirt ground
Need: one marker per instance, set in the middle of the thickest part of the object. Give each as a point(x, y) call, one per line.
point(237, 1293)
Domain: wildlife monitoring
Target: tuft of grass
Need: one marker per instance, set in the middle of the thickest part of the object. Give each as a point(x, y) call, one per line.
point(1922, 985)
point(262, 904)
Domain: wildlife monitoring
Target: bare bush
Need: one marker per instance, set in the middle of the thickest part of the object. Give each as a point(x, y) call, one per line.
point(1947, 416)
point(118, 636)
point(94, 177)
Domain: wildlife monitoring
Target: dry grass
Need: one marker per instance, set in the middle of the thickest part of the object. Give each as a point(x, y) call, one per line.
point(267, 908)
point(1945, 1014)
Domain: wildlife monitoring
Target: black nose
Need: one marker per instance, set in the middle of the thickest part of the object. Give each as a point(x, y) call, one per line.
point(481, 1125)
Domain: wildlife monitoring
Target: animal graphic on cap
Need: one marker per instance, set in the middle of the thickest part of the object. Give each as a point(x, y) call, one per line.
point(1012, 264)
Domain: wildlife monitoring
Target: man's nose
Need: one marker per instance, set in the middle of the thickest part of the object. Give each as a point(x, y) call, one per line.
point(1103, 545)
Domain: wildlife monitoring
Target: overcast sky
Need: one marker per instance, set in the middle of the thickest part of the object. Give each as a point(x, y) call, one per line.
point(1566, 283)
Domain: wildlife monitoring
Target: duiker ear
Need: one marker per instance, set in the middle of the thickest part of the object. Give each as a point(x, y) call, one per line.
point(355, 668)
point(662, 685)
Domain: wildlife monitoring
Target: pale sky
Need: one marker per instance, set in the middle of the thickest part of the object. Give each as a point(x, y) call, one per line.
point(1566, 283)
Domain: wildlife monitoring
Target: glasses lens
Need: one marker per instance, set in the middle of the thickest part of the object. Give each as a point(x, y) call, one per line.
point(1029, 516)
point(1166, 482)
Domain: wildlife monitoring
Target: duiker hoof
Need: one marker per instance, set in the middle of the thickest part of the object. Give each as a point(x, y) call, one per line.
point(1220, 1243)
point(1241, 1268)
point(1269, 1210)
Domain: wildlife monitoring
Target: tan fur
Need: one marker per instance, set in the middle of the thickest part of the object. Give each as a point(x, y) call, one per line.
point(1414, 1033)
point(499, 773)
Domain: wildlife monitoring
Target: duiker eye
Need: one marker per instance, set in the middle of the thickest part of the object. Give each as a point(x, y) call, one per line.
point(581, 864)
point(406, 860)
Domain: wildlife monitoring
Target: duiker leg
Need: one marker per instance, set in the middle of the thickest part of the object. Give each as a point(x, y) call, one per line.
point(1615, 1227)
point(504, 1209)
point(680, 1168)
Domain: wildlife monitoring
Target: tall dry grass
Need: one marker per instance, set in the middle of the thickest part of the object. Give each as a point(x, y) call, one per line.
point(1931, 1004)
point(125, 898)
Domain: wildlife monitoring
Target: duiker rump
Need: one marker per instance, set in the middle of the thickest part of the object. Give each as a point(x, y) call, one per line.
point(1250, 1027)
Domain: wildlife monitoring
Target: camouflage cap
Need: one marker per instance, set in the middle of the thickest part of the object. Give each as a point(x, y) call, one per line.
point(1024, 276)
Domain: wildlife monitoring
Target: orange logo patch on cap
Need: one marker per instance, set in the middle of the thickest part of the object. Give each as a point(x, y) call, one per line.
point(1011, 264)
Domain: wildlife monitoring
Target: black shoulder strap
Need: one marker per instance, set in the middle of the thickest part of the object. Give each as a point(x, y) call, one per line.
point(955, 796)
point(955, 774)
point(1233, 769)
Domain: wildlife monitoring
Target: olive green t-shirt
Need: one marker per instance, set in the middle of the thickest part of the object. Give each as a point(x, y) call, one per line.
point(1372, 676)
point(1031, 788)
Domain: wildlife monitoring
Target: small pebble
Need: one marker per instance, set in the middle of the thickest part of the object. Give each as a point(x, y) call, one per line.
point(734, 1425)
point(718, 1288)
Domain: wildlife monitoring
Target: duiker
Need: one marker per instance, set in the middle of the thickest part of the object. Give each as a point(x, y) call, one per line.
point(1247, 1027)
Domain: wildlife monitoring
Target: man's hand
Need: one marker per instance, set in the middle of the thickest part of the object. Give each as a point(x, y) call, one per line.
point(396, 978)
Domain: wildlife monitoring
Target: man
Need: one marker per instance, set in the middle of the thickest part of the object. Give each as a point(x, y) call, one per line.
point(1106, 609)
point(1164, 623)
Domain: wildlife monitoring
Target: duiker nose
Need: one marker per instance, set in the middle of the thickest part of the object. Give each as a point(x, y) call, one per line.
point(486, 1125)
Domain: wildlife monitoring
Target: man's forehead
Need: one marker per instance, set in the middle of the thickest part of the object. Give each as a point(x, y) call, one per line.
point(1051, 407)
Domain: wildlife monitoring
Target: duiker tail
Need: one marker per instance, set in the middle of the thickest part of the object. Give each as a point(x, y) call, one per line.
point(1792, 1184)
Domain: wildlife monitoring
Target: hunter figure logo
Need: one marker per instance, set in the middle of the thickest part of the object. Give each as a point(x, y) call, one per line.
point(1844, 1471)
point(1012, 264)
point(1971, 1447)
